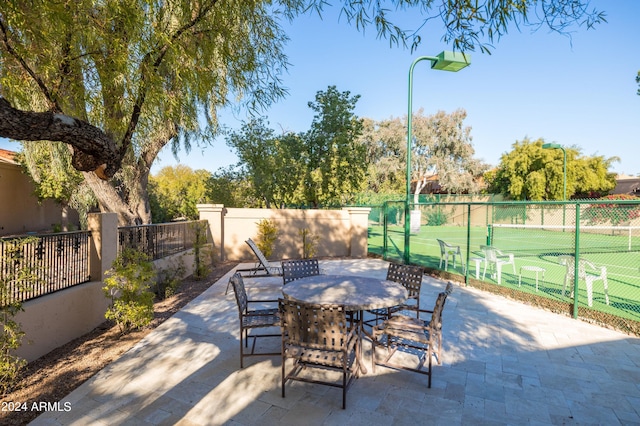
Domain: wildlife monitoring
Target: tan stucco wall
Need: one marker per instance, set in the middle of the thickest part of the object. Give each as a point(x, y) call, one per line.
point(55, 319)
point(20, 210)
point(342, 233)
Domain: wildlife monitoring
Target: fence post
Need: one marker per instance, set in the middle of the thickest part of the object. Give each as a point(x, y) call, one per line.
point(359, 218)
point(104, 243)
point(214, 214)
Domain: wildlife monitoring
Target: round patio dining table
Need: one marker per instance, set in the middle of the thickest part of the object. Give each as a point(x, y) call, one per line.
point(356, 293)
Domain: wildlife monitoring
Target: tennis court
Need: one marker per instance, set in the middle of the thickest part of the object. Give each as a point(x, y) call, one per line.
point(615, 248)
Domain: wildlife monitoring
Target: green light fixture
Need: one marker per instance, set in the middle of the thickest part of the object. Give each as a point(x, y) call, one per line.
point(445, 61)
point(451, 61)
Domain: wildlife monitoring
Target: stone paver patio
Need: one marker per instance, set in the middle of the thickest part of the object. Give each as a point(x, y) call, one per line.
point(503, 363)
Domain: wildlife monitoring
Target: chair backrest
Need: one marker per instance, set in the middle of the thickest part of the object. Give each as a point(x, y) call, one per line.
point(256, 250)
point(410, 276)
point(443, 246)
point(490, 254)
point(436, 317)
point(299, 268)
point(312, 325)
point(240, 292)
point(569, 262)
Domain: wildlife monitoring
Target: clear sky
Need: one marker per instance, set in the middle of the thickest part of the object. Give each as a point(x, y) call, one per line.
point(575, 92)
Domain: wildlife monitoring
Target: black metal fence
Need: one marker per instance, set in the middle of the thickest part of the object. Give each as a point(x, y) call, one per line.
point(161, 240)
point(33, 266)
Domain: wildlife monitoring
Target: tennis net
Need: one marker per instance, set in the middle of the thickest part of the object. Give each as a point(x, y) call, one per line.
point(558, 239)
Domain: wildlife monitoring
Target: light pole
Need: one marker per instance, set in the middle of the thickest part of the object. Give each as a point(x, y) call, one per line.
point(564, 166)
point(446, 61)
point(564, 177)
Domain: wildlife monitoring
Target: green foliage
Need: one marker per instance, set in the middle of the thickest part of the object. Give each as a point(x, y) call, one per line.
point(529, 172)
point(231, 188)
point(16, 274)
point(436, 217)
point(147, 74)
point(325, 166)
point(127, 284)
point(442, 147)
point(614, 213)
point(267, 236)
point(175, 191)
point(50, 169)
point(150, 74)
point(168, 279)
point(309, 243)
point(200, 250)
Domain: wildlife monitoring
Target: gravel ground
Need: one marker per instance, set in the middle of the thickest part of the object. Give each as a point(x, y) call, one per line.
point(53, 376)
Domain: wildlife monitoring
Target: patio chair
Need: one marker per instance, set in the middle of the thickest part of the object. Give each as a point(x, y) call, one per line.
point(299, 268)
point(449, 250)
point(251, 319)
point(318, 337)
point(410, 277)
point(495, 259)
point(412, 336)
point(588, 272)
point(262, 265)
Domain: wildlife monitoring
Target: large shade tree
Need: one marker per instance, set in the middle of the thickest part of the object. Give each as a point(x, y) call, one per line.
point(529, 172)
point(322, 166)
point(441, 148)
point(117, 80)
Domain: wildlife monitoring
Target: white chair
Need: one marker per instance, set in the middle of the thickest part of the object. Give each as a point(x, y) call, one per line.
point(495, 259)
point(588, 272)
point(447, 250)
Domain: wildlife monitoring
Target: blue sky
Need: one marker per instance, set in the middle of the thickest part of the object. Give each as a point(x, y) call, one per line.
point(575, 92)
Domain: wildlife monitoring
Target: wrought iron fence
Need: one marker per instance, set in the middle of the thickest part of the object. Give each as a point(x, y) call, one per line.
point(33, 266)
point(161, 240)
point(580, 258)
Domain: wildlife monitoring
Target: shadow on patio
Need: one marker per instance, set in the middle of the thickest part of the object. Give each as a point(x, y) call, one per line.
point(503, 363)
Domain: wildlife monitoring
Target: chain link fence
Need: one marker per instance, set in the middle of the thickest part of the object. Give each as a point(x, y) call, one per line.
point(580, 258)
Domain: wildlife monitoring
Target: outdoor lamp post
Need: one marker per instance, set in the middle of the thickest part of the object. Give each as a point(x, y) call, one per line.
point(564, 177)
point(564, 166)
point(447, 61)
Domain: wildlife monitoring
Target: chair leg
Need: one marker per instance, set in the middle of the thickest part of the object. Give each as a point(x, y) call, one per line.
point(589, 284)
point(499, 270)
point(606, 289)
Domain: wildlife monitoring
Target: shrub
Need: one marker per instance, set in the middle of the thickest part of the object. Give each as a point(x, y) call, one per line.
point(16, 274)
point(201, 252)
point(436, 217)
point(267, 236)
point(309, 243)
point(169, 279)
point(127, 284)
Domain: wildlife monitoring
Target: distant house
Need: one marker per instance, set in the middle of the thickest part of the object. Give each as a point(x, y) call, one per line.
point(627, 185)
point(20, 209)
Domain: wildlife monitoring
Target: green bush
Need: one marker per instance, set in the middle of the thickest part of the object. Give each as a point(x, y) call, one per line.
point(127, 284)
point(169, 279)
point(309, 243)
point(15, 274)
point(201, 251)
point(436, 217)
point(267, 236)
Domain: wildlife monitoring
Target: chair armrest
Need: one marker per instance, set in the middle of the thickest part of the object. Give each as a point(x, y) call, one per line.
point(262, 301)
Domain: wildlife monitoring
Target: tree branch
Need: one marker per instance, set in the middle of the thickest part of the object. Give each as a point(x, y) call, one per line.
point(93, 150)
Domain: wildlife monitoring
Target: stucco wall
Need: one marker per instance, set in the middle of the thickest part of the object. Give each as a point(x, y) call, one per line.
point(55, 319)
point(20, 210)
point(341, 233)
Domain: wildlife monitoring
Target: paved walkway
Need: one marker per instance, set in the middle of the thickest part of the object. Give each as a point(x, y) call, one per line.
point(504, 363)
